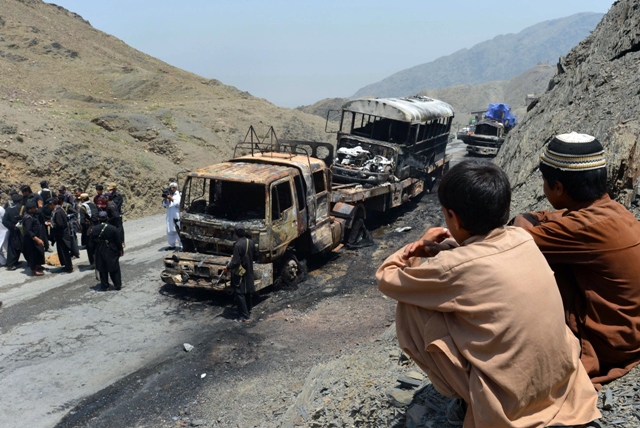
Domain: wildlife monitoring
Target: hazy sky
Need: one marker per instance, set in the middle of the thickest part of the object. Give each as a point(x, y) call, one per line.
point(298, 52)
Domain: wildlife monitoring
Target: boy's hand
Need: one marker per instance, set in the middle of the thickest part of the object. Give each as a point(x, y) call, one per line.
point(428, 245)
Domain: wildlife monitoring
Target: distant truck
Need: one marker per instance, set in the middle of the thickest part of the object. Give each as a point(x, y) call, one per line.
point(296, 200)
point(489, 133)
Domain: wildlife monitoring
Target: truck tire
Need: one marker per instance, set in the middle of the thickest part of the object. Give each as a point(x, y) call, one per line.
point(292, 271)
point(358, 235)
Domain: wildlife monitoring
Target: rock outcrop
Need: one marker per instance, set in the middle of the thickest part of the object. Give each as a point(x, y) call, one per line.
point(595, 91)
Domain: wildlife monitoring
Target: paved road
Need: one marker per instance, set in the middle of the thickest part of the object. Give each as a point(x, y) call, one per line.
point(61, 339)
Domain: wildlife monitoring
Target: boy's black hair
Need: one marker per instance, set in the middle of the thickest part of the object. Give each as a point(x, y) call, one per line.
point(479, 193)
point(579, 185)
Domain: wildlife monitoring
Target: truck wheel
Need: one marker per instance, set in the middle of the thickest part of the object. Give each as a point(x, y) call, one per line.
point(292, 271)
point(359, 235)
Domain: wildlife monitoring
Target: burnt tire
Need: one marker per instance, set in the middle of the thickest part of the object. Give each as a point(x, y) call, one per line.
point(292, 271)
point(358, 235)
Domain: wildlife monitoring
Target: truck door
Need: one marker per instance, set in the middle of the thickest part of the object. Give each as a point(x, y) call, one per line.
point(321, 184)
point(283, 215)
point(301, 200)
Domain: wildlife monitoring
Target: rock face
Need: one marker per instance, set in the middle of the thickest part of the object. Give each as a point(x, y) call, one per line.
point(595, 91)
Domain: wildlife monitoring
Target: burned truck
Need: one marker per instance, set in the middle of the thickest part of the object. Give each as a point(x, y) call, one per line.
point(389, 150)
point(295, 199)
point(280, 195)
point(490, 132)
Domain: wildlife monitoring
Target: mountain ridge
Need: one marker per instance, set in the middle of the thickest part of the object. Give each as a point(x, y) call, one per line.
point(500, 58)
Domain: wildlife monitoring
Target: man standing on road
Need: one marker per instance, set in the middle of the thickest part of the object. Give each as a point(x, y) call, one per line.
point(11, 217)
point(66, 196)
point(171, 202)
point(116, 197)
point(28, 195)
point(242, 283)
point(99, 199)
point(88, 219)
point(4, 235)
point(108, 250)
point(113, 214)
point(33, 244)
point(62, 233)
point(44, 192)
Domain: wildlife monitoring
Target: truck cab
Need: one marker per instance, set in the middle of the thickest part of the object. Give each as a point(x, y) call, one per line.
point(282, 199)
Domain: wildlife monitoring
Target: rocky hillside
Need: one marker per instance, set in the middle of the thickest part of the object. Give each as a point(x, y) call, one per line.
point(467, 98)
point(501, 58)
point(79, 107)
point(595, 91)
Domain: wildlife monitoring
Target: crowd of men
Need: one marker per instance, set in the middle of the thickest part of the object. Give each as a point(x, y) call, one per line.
point(33, 222)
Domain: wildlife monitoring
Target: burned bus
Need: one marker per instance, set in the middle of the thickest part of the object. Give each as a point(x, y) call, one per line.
point(390, 139)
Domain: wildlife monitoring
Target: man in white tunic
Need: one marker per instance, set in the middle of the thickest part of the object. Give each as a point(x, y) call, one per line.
point(4, 241)
point(172, 203)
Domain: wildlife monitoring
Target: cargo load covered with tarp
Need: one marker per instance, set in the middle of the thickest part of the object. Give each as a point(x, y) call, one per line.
point(501, 113)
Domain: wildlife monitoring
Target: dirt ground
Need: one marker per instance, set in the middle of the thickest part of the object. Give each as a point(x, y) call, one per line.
point(254, 372)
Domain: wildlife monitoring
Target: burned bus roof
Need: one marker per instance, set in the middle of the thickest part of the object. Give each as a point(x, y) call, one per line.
point(243, 172)
point(411, 109)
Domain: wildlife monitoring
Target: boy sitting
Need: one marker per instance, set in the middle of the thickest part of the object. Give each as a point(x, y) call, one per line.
point(593, 246)
point(481, 313)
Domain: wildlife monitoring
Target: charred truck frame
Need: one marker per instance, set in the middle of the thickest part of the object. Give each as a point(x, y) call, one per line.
point(388, 151)
point(281, 197)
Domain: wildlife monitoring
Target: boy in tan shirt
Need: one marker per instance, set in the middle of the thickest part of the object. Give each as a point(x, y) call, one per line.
point(481, 313)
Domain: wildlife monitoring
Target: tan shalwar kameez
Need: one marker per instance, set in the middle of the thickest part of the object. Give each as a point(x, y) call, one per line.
point(485, 322)
point(595, 254)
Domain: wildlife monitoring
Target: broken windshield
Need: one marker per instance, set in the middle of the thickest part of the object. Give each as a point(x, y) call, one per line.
point(225, 200)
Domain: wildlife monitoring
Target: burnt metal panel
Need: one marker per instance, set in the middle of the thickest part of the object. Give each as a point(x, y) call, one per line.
point(204, 271)
point(243, 172)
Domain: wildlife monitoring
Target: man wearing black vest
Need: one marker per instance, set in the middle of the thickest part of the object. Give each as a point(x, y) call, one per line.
point(108, 250)
point(33, 246)
point(62, 233)
point(12, 216)
point(244, 253)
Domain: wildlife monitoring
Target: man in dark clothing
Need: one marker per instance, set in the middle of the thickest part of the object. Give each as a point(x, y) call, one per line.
point(88, 219)
point(44, 192)
point(116, 196)
point(99, 199)
point(244, 253)
point(108, 250)
point(33, 246)
point(28, 195)
point(62, 233)
point(45, 214)
point(113, 214)
point(10, 219)
point(66, 196)
point(77, 192)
